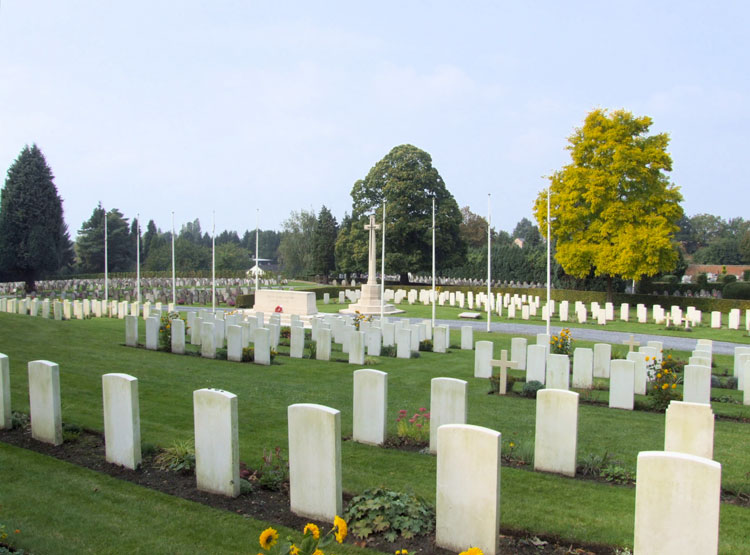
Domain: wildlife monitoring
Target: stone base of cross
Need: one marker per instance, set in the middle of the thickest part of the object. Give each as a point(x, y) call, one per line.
point(631, 343)
point(503, 364)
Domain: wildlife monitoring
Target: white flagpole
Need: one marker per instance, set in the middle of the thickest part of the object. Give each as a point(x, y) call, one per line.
point(382, 270)
point(549, 316)
point(138, 254)
point(433, 261)
point(174, 275)
point(106, 270)
point(213, 262)
point(489, 262)
point(257, 264)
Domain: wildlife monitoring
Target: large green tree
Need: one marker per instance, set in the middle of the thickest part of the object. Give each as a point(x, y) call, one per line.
point(121, 244)
point(324, 243)
point(407, 181)
point(34, 239)
point(613, 209)
point(295, 249)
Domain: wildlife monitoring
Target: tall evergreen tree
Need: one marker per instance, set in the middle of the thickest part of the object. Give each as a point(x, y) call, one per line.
point(120, 243)
point(33, 235)
point(324, 243)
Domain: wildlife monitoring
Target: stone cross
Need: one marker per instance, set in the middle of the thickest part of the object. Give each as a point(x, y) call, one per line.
point(631, 343)
point(372, 227)
point(503, 364)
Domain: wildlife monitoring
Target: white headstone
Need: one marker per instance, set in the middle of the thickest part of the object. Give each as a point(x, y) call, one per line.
point(441, 339)
point(716, 319)
point(234, 343)
point(689, 428)
point(467, 337)
point(403, 343)
point(373, 339)
point(688, 489)
point(556, 435)
point(621, 384)
point(697, 384)
point(208, 340)
point(131, 331)
point(315, 461)
point(262, 346)
point(296, 342)
point(178, 335)
point(370, 406)
point(44, 402)
point(356, 347)
point(152, 333)
point(518, 352)
point(467, 507)
point(217, 452)
point(583, 368)
point(658, 346)
point(482, 358)
point(641, 372)
point(448, 405)
point(602, 357)
point(558, 372)
point(122, 422)
point(536, 367)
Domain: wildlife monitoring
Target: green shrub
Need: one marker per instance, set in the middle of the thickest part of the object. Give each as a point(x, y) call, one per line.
point(728, 278)
point(179, 457)
point(390, 513)
point(245, 301)
point(670, 279)
point(746, 275)
point(716, 382)
point(592, 464)
point(530, 388)
point(312, 349)
point(388, 351)
point(737, 290)
point(248, 354)
point(732, 382)
point(616, 474)
point(425, 345)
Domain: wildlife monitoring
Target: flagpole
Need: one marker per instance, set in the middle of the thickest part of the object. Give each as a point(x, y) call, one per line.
point(138, 255)
point(106, 270)
point(382, 270)
point(213, 262)
point(433, 261)
point(549, 316)
point(174, 275)
point(489, 262)
point(257, 264)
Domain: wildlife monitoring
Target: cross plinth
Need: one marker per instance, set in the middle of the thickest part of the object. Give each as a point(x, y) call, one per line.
point(503, 364)
point(372, 227)
point(631, 343)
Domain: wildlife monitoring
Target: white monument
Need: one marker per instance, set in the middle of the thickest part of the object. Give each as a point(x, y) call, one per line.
point(369, 301)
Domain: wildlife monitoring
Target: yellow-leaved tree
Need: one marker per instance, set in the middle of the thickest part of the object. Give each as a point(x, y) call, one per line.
point(613, 209)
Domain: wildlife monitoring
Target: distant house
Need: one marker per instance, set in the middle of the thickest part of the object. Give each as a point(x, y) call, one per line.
point(694, 270)
point(518, 242)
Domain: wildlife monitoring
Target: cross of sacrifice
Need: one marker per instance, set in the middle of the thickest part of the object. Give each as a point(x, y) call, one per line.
point(371, 227)
point(631, 343)
point(503, 364)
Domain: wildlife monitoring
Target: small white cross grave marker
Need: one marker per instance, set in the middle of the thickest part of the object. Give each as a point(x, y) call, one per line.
point(503, 364)
point(631, 343)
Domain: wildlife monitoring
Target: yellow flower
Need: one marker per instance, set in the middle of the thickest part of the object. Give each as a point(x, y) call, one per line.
point(340, 525)
point(313, 529)
point(665, 386)
point(511, 444)
point(293, 550)
point(674, 386)
point(318, 552)
point(472, 551)
point(669, 356)
point(268, 538)
point(658, 376)
point(656, 387)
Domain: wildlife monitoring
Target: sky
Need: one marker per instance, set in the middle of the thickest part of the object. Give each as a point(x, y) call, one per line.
point(253, 110)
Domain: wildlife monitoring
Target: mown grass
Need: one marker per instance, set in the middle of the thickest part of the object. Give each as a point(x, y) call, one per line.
point(451, 313)
point(576, 510)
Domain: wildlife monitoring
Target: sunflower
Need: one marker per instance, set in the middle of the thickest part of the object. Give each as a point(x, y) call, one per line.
point(472, 551)
point(340, 526)
point(268, 538)
point(313, 529)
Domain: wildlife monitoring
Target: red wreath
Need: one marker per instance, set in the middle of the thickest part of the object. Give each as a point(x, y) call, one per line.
point(278, 309)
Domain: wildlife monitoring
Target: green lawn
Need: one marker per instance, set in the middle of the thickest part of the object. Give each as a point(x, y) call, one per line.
point(576, 510)
point(451, 313)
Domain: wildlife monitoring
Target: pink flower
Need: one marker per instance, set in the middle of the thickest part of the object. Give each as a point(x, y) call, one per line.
point(418, 425)
point(402, 411)
point(422, 409)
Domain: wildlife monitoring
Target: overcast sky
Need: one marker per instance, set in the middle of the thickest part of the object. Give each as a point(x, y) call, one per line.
point(154, 106)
